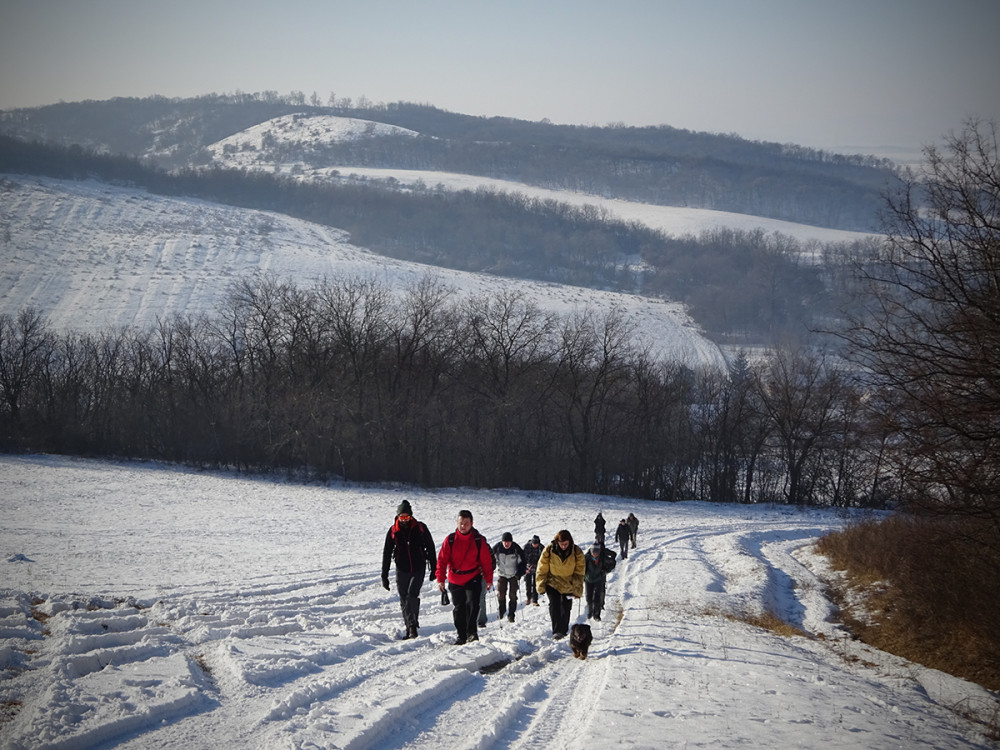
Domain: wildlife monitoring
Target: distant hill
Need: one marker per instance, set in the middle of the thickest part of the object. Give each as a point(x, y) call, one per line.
point(657, 165)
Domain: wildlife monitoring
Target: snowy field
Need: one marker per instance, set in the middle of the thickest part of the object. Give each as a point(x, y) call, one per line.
point(145, 606)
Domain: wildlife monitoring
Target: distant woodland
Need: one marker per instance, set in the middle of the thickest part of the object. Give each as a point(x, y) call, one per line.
point(352, 379)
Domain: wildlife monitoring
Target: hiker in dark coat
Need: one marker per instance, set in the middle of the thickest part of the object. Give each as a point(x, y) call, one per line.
point(600, 527)
point(600, 562)
point(409, 543)
point(510, 563)
point(532, 551)
point(466, 566)
point(622, 536)
point(633, 527)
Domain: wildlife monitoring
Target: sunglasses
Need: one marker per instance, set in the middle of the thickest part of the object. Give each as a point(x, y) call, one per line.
point(404, 516)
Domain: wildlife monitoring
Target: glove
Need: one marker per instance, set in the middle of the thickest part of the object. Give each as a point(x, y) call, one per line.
point(385, 583)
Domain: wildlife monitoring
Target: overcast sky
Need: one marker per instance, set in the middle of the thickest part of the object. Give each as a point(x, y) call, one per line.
point(836, 74)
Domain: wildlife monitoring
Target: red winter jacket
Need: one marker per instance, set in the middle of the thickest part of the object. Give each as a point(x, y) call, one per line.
point(459, 561)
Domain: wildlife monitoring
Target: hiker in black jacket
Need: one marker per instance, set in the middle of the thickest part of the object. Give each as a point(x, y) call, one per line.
point(622, 536)
point(600, 562)
point(600, 527)
point(532, 551)
point(408, 542)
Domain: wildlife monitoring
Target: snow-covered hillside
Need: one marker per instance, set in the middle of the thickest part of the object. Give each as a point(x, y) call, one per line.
point(255, 146)
point(144, 606)
point(250, 149)
point(89, 255)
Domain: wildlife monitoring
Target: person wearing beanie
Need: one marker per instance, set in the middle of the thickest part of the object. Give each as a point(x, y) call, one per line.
point(532, 551)
point(409, 544)
point(510, 567)
point(600, 562)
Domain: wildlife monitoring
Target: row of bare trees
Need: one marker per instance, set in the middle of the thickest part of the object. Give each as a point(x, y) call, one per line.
point(352, 379)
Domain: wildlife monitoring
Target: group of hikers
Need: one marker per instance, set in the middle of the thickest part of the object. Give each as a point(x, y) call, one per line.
point(466, 567)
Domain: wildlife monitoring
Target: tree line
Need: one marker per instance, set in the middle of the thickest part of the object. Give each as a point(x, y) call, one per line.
point(352, 379)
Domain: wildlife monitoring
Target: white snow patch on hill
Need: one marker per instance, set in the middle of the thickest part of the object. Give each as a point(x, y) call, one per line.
point(254, 146)
point(89, 255)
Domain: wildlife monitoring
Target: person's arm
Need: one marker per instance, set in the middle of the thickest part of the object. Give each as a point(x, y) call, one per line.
point(442, 565)
point(542, 571)
point(579, 569)
point(387, 558)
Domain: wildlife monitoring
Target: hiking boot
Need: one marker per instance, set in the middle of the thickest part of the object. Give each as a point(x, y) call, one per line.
point(460, 641)
point(510, 618)
point(473, 637)
point(597, 617)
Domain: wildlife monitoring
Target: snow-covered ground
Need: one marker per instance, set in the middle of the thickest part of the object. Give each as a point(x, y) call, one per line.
point(90, 255)
point(145, 606)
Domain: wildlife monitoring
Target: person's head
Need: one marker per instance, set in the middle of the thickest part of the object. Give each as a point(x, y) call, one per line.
point(404, 512)
point(595, 551)
point(507, 539)
point(564, 539)
point(621, 522)
point(464, 521)
point(535, 541)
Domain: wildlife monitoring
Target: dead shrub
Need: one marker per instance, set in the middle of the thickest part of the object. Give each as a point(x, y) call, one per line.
point(930, 588)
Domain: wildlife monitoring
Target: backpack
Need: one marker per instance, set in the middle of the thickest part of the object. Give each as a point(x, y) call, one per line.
point(610, 560)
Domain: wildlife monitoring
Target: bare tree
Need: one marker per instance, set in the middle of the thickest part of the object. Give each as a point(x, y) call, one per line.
point(931, 333)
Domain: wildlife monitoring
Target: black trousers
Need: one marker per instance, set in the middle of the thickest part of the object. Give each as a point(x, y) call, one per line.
point(408, 585)
point(530, 592)
point(560, 609)
point(506, 595)
point(595, 596)
point(466, 611)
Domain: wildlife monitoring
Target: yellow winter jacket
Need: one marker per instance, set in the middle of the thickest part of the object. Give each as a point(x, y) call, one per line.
point(565, 576)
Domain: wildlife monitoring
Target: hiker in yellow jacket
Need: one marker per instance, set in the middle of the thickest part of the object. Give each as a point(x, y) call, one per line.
point(560, 576)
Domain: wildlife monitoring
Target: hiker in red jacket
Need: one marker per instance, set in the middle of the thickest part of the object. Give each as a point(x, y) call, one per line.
point(466, 564)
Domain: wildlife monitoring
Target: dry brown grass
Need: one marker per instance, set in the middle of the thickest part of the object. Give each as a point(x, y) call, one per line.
point(931, 589)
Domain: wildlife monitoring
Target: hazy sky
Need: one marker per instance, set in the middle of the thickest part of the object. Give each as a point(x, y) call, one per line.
point(837, 74)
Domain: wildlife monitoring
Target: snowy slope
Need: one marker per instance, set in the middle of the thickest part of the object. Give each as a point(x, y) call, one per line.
point(253, 146)
point(89, 255)
point(251, 150)
point(144, 606)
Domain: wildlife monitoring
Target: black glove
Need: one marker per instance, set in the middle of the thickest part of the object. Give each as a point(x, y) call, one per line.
point(385, 582)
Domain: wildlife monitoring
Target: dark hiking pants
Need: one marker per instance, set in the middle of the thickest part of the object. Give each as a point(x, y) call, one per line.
point(560, 609)
point(408, 585)
point(506, 596)
point(466, 601)
point(595, 597)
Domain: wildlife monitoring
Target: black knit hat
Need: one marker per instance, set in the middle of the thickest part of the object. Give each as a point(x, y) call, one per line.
point(507, 537)
point(404, 508)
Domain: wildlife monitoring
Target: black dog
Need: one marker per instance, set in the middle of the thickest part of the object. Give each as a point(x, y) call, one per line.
point(579, 640)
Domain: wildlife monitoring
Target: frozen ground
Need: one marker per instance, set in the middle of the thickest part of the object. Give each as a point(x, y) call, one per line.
point(145, 606)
